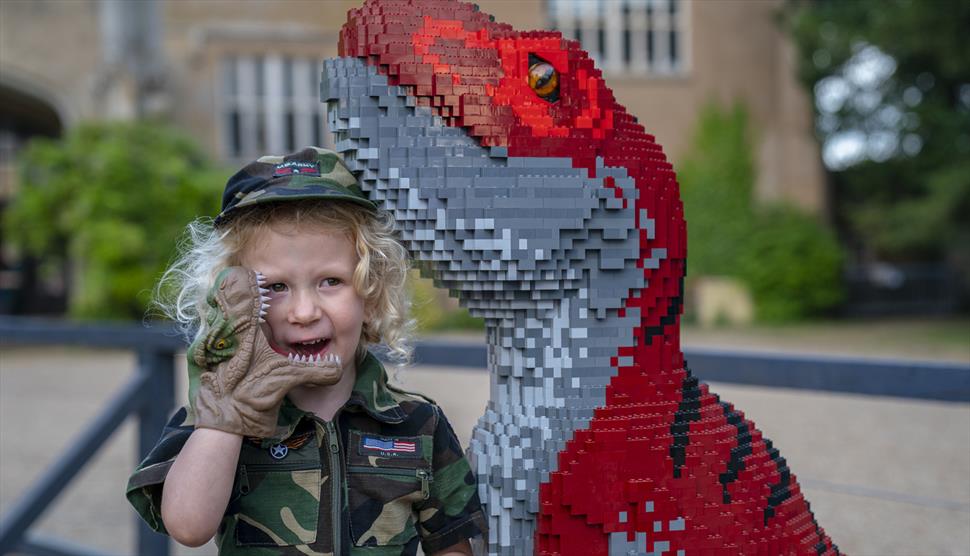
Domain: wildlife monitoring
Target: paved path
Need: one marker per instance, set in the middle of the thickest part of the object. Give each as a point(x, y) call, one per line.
point(884, 476)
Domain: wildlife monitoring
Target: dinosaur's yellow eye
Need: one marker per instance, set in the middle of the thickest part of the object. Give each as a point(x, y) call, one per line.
point(544, 80)
point(221, 343)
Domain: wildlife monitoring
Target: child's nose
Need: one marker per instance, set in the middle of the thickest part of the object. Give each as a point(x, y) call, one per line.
point(305, 309)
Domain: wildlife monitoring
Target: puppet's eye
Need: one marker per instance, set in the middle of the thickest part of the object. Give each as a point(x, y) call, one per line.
point(544, 80)
point(221, 343)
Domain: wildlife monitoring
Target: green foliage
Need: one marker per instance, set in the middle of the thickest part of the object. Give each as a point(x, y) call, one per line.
point(434, 312)
point(109, 200)
point(716, 182)
point(790, 262)
point(792, 265)
point(912, 203)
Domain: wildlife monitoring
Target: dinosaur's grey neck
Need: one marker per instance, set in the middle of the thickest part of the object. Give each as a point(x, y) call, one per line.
point(550, 369)
point(552, 359)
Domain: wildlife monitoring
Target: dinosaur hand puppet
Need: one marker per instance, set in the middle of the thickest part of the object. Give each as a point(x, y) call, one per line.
point(236, 380)
point(521, 185)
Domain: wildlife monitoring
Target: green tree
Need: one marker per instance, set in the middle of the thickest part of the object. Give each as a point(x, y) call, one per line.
point(891, 85)
point(109, 200)
point(790, 262)
point(716, 184)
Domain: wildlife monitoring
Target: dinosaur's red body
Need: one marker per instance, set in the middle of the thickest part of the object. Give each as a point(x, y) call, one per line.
point(664, 457)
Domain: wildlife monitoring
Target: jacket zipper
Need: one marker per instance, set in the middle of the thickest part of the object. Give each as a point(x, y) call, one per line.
point(424, 475)
point(336, 480)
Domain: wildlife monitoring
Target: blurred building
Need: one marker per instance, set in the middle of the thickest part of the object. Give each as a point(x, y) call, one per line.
point(241, 77)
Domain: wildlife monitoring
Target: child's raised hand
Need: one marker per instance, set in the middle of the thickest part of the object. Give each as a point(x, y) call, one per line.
point(238, 382)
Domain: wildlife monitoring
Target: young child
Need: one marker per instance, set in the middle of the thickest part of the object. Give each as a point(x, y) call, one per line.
point(293, 441)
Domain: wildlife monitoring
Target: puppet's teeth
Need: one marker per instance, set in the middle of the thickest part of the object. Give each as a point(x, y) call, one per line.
point(263, 291)
point(261, 319)
point(290, 357)
point(264, 306)
point(263, 299)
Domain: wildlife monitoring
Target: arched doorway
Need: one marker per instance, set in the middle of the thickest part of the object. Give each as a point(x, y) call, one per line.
point(25, 286)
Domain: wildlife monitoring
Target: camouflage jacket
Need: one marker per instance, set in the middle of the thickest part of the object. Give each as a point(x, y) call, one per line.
point(384, 475)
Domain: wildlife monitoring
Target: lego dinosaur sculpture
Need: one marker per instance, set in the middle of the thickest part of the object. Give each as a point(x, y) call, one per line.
point(522, 186)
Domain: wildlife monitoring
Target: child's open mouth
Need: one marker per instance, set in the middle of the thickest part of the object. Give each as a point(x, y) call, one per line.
point(307, 348)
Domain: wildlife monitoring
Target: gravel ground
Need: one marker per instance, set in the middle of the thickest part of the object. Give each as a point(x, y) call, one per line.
point(884, 476)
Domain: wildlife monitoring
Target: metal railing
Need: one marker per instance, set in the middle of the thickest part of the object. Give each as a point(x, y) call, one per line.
point(926, 380)
point(150, 396)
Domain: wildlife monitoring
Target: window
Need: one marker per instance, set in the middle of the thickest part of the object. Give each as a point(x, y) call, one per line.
point(640, 37)
point(271, 105)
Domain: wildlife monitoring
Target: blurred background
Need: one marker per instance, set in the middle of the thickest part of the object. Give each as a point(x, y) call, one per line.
point(823, 152)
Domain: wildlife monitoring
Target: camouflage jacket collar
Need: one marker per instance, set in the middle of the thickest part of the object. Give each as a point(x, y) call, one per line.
point(372, 394)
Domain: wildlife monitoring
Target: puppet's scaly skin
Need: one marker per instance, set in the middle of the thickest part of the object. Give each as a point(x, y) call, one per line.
point(242, 380)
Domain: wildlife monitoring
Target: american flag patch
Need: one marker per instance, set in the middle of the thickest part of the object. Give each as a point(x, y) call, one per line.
point(374, 444)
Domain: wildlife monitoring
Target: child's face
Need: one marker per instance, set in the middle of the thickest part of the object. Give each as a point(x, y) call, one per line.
point(314, 309)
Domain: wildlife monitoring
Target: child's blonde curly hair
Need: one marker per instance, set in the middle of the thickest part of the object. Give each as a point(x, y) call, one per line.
point(379, 278)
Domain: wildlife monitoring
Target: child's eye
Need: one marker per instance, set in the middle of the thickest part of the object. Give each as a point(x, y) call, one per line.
point(278, 287)
point(330, 282)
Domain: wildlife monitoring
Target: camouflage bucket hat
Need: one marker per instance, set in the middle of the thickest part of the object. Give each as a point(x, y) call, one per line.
point(311, 173)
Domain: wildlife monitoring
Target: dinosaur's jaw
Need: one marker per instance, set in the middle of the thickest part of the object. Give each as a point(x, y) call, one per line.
point(269, 353)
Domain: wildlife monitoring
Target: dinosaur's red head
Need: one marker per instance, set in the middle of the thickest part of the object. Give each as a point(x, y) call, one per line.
point(504, 87)
point(592, 199)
